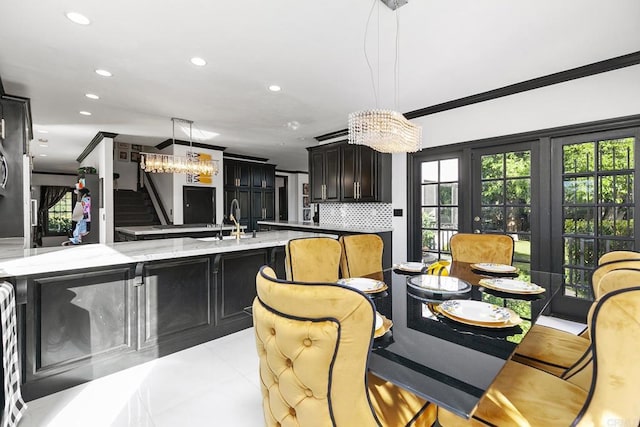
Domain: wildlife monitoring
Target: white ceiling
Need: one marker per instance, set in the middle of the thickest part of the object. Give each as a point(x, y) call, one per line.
point(312, 49)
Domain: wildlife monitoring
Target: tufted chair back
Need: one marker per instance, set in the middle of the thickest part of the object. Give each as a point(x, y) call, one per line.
point(475, 248)
point(361, 254)
point(614, 328)
point(618, 256)
point(314, 259)
point(313, 341)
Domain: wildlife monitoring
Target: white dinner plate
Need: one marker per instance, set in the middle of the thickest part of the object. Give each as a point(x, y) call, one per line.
point(362, 284)
point(476, 311)
point(379, 321)
point(494, 268)
point(512, 285)
point(413, 267)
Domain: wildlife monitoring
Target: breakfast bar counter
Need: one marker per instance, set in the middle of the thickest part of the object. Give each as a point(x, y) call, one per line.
point(90, 310)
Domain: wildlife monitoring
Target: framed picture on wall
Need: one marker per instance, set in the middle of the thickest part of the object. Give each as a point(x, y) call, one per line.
point(123, 145)
point(305, 189)
point(123, 155)
point(136, 147)
point(135, 156)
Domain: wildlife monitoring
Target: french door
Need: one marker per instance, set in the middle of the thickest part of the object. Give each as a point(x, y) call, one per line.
point(593, 192)
point(502, 196)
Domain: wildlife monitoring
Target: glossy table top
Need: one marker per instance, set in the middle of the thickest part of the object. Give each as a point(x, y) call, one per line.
point(444, 361)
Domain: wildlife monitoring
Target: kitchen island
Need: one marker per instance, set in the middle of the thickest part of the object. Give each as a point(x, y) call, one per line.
point(149, 232)
point(90, 310)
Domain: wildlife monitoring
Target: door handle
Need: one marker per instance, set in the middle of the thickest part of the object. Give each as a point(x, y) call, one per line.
point(476, 231)
point(476, 219)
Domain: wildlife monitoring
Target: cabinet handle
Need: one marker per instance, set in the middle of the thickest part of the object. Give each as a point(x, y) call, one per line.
point(359, 191)
point(324, 191)
point(355, 190)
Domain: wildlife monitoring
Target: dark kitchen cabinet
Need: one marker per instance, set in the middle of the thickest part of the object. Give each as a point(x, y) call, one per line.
point(243, 197)
point(262, 206)
point(237, 173)
point(263, 176)
point(324, 173)
point(253, 184)
point(360, 174)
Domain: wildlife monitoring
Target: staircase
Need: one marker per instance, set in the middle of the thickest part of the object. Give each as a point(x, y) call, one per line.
point(133, 208)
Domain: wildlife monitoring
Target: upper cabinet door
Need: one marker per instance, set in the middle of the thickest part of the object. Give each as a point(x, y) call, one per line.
point(367, 174)
point(332, 174)
point(316, 174)
point(349, 172)
point(244, 174)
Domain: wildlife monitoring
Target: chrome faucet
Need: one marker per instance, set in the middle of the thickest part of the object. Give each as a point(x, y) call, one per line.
point(234, 215)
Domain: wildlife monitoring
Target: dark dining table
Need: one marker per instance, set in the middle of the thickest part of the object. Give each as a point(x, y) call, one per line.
point(444, 361)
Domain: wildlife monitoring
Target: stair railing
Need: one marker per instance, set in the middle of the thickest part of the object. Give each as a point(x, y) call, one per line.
point(155, 199)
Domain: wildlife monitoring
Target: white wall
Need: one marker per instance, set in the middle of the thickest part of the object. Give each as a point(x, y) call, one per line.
point(101, 158)
point(180, 180)
point(127, 169)
point(603, 96)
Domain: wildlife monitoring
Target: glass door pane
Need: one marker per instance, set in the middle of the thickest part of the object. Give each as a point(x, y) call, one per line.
point(502, 196)
point(439, 206)
point(595, 187)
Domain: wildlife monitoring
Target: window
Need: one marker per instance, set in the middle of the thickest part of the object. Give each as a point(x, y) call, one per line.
point(439, 189)
point(59, 216)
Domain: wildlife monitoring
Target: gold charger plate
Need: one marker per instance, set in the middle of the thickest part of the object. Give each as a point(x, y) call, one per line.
point(386, 325)
point(514, 319)
point(491, 284)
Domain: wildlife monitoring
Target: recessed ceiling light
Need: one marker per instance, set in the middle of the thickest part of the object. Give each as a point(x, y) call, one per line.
point(85, 113)
point(275, 88)
point(104, 73)
point(91, 96)
point(43, 131)
point(78, 18)
point(198, 61)
point(43, 155)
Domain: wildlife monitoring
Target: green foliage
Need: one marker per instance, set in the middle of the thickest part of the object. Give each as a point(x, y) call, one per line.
point(58, 225)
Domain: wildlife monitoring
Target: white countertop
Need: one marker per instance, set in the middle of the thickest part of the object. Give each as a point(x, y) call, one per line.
point(143, 230)
point(16, 263)
point(330, 227)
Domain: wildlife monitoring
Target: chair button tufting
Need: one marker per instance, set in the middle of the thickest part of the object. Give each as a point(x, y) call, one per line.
point(273, 331)
point(292, 412)
point(289, 363)
point(308, 392)
point(307, 342)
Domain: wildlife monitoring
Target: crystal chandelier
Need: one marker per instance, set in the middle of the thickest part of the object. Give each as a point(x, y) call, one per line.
point(386, 131)
point(168, 163)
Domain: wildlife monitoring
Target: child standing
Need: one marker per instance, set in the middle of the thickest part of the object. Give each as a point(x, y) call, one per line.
point(81, 214)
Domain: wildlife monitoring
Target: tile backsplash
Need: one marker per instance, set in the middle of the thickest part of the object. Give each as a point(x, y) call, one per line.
point(357, 214)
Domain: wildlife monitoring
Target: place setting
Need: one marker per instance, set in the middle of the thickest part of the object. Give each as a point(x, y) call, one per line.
point(438, 287)
point(364, 284)
point(477, 313)
point(508, 288)
point(382, 326)
point(495, 269)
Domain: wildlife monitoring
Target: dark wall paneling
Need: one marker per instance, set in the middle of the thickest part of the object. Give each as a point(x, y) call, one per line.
point(236, 278)
point(76, 319)
point(175, 299)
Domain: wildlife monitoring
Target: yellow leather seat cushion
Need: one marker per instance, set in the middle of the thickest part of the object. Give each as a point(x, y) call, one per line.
point(550, 349)
point(523, 396)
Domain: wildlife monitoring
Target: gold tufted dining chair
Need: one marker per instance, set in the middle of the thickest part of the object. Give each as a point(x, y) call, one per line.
point(361, 254)
point(618, 256)
point(556, 351)
point(525, 396)
point(313, 341)
point(313, 259)
point(475, 248)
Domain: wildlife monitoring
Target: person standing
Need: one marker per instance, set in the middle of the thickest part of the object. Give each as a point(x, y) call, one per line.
point(82, 215)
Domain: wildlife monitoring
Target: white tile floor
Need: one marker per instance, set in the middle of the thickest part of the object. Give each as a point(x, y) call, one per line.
point(213, 384)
